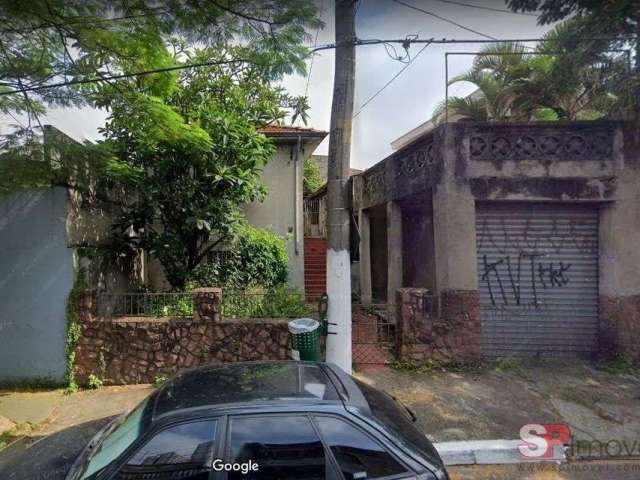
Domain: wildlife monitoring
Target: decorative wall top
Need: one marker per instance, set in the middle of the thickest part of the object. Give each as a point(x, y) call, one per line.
point(544, 144)
point(415, 162)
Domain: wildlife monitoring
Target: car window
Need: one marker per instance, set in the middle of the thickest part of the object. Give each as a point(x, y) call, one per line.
point(117, 439)
point(284, 448)
point(359, 456)
point(179, 452)
point(388, 411)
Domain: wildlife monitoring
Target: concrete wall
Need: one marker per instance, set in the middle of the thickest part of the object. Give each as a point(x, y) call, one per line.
point(278, 210)
point(36, 275)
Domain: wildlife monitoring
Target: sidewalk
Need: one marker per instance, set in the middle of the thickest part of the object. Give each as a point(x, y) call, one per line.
point(494, 405)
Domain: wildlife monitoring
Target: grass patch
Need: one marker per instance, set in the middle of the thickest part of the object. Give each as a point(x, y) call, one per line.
point(30, 384)
point(19, 430)
point(432, 366)
point(617, 365)
point(508, 364)
point(585, 397)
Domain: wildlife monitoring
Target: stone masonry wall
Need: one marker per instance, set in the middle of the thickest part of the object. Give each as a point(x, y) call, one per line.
point(620, 325)
point(423, 335)
point(136, 350)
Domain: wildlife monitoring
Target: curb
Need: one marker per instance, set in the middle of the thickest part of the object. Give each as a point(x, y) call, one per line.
point(480, 452)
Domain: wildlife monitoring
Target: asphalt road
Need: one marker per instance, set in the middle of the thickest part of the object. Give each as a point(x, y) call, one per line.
point(47, 458)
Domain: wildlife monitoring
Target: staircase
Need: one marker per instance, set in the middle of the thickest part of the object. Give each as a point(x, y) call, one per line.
point(315, 267)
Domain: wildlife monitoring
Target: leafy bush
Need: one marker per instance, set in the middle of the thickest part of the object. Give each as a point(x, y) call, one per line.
point(94, 382)
point(312, 179)
point(159, 380)
point(257, 257)
point(277, 302)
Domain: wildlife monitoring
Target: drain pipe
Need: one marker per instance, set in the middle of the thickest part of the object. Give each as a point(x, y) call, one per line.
point(296, 202)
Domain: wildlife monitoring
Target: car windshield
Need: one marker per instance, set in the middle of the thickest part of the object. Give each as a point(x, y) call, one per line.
point(388, 411)
point(116, 440)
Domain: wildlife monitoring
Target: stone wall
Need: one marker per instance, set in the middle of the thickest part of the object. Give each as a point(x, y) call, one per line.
point(620, 326)
point(423, 334)
point(136, 349)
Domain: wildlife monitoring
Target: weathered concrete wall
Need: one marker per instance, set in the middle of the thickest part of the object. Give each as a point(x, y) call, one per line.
point(36, 276)
point(418, 250)
point(619, 253)
point(136, 350)
point(278, 210)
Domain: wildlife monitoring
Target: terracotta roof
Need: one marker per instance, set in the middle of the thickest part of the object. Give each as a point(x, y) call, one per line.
point(290, 131)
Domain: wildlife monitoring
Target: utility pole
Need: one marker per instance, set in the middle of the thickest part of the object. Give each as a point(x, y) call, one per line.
point(338, 258)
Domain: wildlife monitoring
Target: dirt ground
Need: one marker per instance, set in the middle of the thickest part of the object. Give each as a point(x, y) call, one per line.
point(495, 404)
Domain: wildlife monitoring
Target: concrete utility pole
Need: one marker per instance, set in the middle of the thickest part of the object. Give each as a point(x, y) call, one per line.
point(338, 259)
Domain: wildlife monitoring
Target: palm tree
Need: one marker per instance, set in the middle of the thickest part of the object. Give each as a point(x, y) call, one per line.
point(561, 79)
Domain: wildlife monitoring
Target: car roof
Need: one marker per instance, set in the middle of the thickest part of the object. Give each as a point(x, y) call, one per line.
point(249, 383)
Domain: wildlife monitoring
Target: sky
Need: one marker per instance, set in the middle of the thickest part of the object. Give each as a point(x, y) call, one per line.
point(405, 103)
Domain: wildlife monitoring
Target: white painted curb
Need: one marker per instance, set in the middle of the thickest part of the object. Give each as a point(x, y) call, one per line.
point(480, 452)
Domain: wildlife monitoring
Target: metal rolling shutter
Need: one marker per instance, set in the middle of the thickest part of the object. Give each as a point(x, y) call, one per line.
point(538, 279)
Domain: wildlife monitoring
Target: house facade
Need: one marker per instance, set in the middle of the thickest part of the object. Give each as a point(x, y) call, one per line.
point(281, 211)
point(47, 234)
point(520, 239)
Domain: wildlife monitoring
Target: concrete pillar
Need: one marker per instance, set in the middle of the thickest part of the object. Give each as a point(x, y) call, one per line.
point(364, 227)
point(620, 256)
point(454, 230)
point(394, 250)
point(207, 304)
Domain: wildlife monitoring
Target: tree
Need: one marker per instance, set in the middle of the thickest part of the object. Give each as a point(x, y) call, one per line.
point(48, 42)
point(560, 79)
point(312, 180)
point(615, 19)
point(190, 155)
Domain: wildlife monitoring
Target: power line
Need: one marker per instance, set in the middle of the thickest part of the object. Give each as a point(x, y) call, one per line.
point(315, 44)
point(81, 19)
point(370, 99)
point(403, 41)
point(491, 9)
point(445, 41)
point(121, 76)
point(440, 17)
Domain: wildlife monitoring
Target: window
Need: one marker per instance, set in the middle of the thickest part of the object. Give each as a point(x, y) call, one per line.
point(179, 452)
point(284, 448)
point(117, 439)
point(388, 411)
point(358, 456)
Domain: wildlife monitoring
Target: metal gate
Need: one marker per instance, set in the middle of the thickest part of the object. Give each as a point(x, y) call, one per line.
point(373, 334)
point(538, 279)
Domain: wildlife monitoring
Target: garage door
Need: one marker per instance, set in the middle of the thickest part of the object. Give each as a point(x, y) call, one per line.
point(538, 279)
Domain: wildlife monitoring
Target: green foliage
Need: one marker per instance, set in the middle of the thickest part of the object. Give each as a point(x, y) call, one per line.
point(279, 302)
point(19, 430)
point(612, 18)
point(432, 366)
point(618, 364)
point(507, 364)
point(94, 382)
point(73, 332)
point(312, 180)
point(256, 257)
point(159, 380)
point(564, 78)
point(45, 41)
point(193, 157)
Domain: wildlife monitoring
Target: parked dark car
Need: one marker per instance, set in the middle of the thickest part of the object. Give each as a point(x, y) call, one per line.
point(262, 420)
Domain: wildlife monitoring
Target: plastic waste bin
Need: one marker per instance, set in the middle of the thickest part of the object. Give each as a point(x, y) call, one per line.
point(305, 339)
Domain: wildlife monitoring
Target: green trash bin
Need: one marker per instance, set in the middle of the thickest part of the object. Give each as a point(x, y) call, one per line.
point(305, 339)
